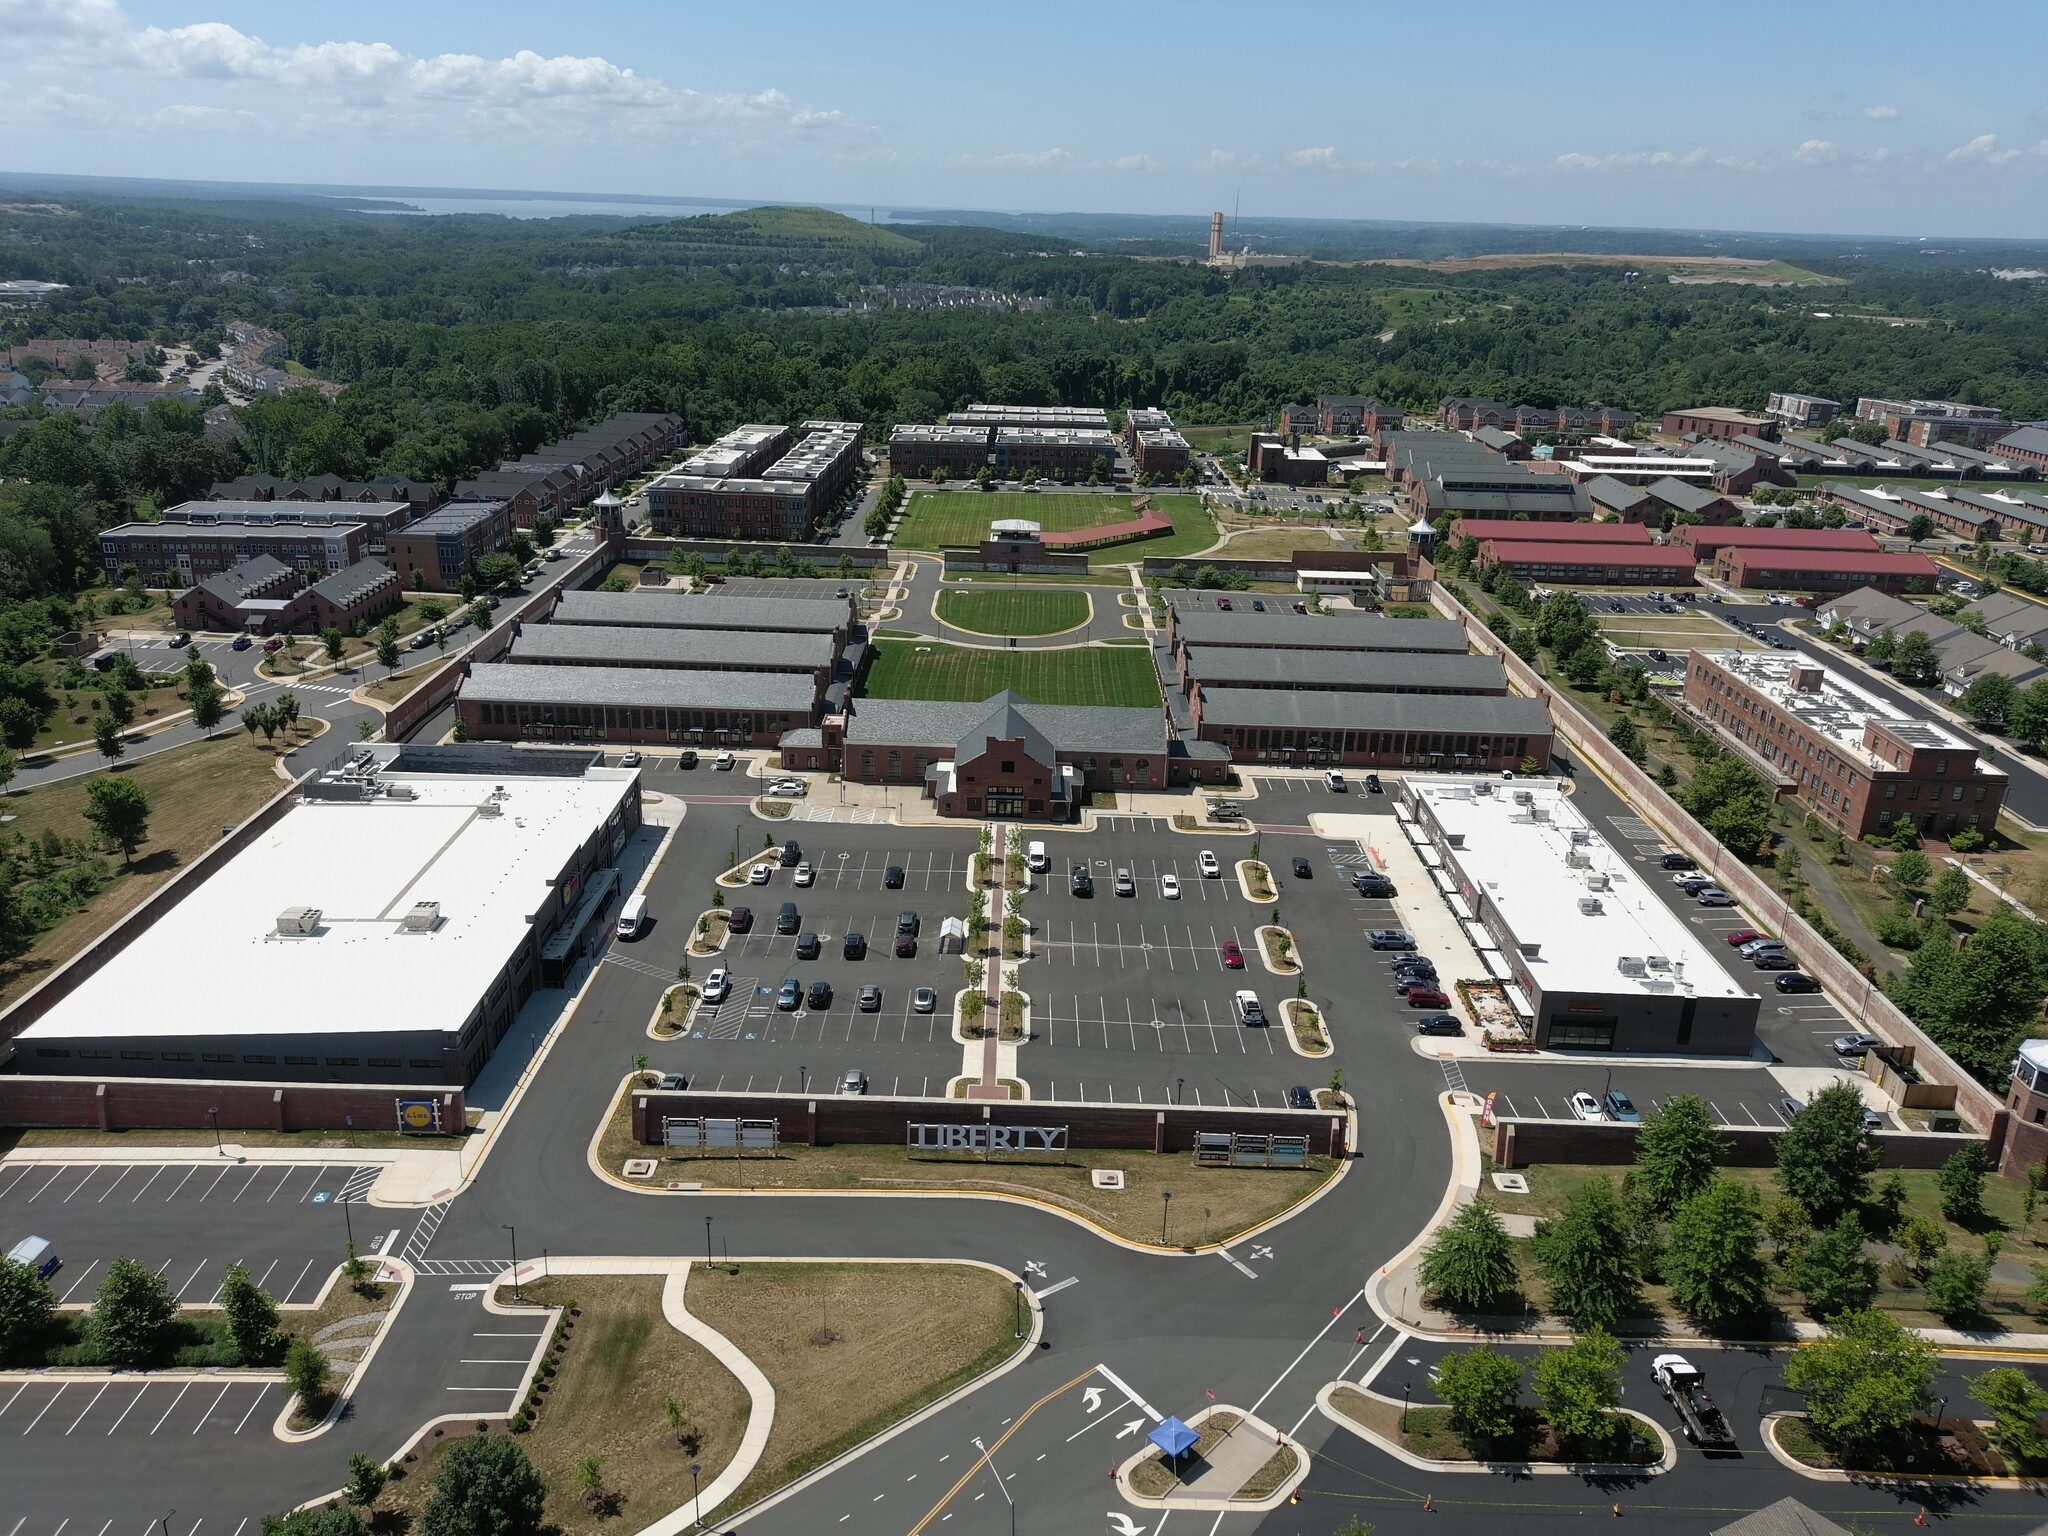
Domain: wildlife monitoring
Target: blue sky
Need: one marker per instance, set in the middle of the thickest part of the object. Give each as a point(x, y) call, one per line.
point(1739, 115)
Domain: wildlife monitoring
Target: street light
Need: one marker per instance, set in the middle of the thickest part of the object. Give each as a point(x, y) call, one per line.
point(1165, 1207)
point(1017, 1296)
point(1180, 1090)
point(803, 1078)
point(999, 1483)
point(515, 1260)
point(695, 1468)
point(1939, 1414)
point(214, 1115)
point(165, 1520)
point(707, 1242)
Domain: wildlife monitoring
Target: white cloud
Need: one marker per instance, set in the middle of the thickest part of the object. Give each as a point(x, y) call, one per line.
point(186, 117)
point(1982, 150)
point(1882, 113)
point(450, 92)
point(1133, 163)
point(1817, 152)
point(1320, 159)
point(1021, 160)
point(1228, 159)
point(1625, 160)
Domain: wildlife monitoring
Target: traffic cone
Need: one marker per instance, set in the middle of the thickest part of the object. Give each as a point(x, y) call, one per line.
point(1361, 1337)
point(1921, 1518)
point(1429, 1503)
point(1294, 1497)
point(1617, 1511)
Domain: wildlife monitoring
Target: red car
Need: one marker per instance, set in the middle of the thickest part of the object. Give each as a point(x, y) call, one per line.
point(1427, 997)
point(1742, 936)
point(1233, 957)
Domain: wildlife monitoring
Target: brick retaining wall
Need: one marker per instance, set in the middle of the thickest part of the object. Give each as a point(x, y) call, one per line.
point(144, 1103)
point(821, 1120)
point(1974, 1102)
point(1521, 1143)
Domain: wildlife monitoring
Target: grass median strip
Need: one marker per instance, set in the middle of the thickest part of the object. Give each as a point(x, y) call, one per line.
point(1209, 1205)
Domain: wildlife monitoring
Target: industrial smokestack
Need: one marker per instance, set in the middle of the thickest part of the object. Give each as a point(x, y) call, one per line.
point(1215, 235)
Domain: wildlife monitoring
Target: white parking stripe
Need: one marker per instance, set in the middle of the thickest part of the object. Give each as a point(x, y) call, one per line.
point(152, 1179)
point(128, 1410)
point(32, 1199)
point(90, 1266)
point(81, 1184)
point(10, 1402)
point(261, 1391)
point(226, 1387)
point(182, 1182)
point(216, 1182)
point(187, 1387)
point(117, 1182)
point(32, 1423)
point(88, 1407)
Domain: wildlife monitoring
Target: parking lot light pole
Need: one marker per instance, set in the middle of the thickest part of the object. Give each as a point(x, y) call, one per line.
point(707, 1242)
point(165, 1520)
point(1165, 1208)
point(515, 1260)
point(695, 1468)
point(1017, 1295)
point(214, 1115)
point(803, 1078)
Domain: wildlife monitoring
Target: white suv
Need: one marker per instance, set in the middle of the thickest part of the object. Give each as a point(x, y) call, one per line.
point(717, 985)
point(1211, 869)
point(1249, 1009)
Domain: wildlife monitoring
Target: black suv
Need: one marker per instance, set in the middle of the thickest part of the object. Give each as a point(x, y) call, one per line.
point(687, 758)
point(892, 878)
point(1303, 870)
point(787, 921)
point(1081, 882)
point(820, 995)
point(791, 854)
point(1367, 883)
point(807, 946)
point(740, 920)
point(854, 947)
point(1677, 861)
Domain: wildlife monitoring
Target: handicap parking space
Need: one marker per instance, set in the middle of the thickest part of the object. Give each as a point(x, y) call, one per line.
point(103, 1409)
point(286, 1224)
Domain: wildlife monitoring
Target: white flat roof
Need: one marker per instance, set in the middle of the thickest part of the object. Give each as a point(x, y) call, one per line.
point(1517, 854)
point(363, 864)
point(1837, 709)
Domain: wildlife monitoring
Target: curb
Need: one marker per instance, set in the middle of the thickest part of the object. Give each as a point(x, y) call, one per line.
point(1791, 1463)
point(1293, 948)
point(281, 1426)
point(1246, 1420)
point(1330, 1047)
point(1582, 1469)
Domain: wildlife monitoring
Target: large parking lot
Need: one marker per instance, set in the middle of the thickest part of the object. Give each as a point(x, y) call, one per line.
point(747, 1043)
point(190, 1221)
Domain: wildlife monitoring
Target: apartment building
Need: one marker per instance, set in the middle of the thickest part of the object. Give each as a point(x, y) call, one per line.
point(180, 555)
point(1355, 415)
point(432, 554)
point(1797, 410)
point(759, 483)
point(1720, 421)
point(1860, 763)
point(1469, 412)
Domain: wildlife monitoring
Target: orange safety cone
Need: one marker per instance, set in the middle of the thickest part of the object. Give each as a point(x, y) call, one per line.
point(1921, 1518)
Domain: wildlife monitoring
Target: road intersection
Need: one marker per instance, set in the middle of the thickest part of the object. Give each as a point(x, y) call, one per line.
point(1126, 1334)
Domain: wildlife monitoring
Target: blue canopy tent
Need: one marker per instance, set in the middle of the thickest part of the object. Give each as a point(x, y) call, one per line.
point(1174, 1438)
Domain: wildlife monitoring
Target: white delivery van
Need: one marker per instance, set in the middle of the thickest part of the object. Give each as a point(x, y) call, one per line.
point(1035, 859)
point(38, 1253)
point(632, 917)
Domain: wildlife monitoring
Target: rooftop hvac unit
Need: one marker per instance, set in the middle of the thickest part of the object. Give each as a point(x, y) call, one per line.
point(1539, 813)
point(1483, 787)
point(1659, 963)
point(1578, 858)
point(1630, 965)
point(1523, 797)
point(298, 922)
point(400, 792)
point(424, 917)
point(1589, 906)
point(1580, 836)
point(490, 810)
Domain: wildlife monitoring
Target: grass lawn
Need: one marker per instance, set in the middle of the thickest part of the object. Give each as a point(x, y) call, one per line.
point(623, 1359)
point(1209, 1205)
point(853, 1348)
point(935, 519)
point(1808, 482)
point(1219, 439)
point(193, 792)
point(1015, 611)
point(1078, 675)
point(1277, 543)
point(390, 690)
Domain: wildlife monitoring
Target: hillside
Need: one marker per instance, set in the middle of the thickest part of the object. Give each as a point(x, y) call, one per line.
point(811, 231)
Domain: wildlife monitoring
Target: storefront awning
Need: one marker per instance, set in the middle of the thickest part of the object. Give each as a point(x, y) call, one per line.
point(1519, 1001)
point(1443, 881)
point(1458, 908)
point(1481, 939)
point(1496, 964)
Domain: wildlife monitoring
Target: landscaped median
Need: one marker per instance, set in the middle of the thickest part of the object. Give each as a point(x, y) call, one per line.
point(1276, 948)
point(1306, 1031)
point(1255, 880)
point(714, 925)
point(844, 1351)
point(1431, 1435)
point(1208, 1205)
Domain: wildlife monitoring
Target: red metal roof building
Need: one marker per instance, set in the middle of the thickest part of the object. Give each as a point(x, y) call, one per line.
point(1552, 533)
point(1822, 570)
point(1610, 564)
point(1706, 542)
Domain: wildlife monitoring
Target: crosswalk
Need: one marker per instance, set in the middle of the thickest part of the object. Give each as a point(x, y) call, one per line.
point(447, 1267)
point(853, 815)
point(613, 958)
point(423, 1233)
point(359, 1184)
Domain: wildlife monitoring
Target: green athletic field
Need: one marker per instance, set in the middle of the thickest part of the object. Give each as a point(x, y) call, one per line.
point(1014, 611)
point(905, 669)
point(936, 519)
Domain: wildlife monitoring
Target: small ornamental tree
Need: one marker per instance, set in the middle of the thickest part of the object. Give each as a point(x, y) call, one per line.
point(1833, 1271)
point(1961, 1182)
point(305, 1372)
point(1471, 1261)
point(1676, 1149)
point(487, 1487)
point(1584, 1254)
point(1867, 1378)
point(251, 1316)
point(133, 1312)
point(2016, 1406)
point(1580, 1385)
point(1480, 1387)
point(1824, 1157)
point(1711, 1259)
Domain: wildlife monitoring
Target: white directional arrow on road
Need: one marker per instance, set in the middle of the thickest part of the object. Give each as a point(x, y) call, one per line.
point(1124, 1525)
point(1091, 1398)
point(1131, 1428)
